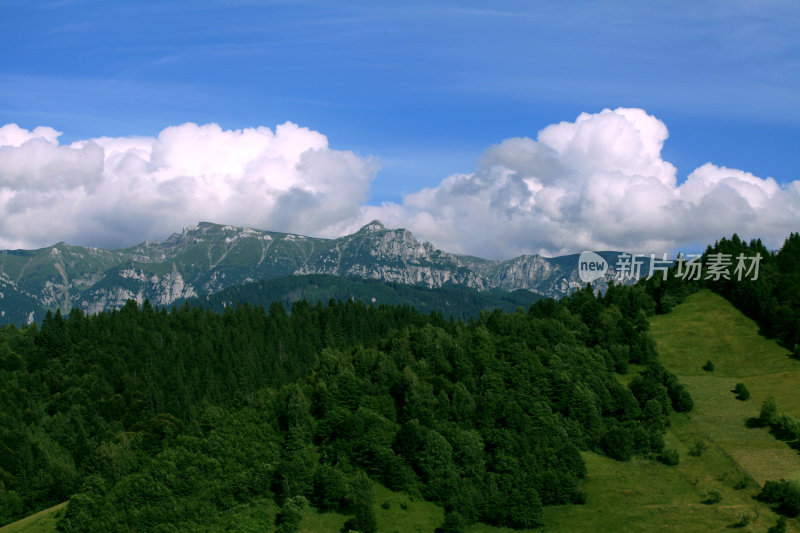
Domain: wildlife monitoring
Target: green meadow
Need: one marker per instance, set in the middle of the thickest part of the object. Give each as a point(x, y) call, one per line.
point(708, 328)
point(648, 496)
point(394, 511)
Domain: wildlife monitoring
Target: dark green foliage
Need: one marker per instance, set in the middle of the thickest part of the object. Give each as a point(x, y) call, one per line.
point(453, 523)
point(10, 504)
point(769, 412)
point(618, 443)
point(288, 518)
point(669, 457)
point(658, 383)
point(786, 427)
point(666, 294)
point(331, 488)
point(145, 418)
point(784, 494)
point(712, 497)
point(699, 447)
point(744, 519)
point(362, 501)
point(779, 527)
point(709, 366)
point(681, 399)
point(742, 393)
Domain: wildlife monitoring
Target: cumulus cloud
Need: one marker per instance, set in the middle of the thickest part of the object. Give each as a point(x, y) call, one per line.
point(118, 191)
point(596, 183)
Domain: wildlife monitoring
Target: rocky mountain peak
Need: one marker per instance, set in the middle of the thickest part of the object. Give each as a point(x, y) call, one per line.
point(373, 227)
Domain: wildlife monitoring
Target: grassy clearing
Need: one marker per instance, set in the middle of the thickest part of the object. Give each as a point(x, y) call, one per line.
point(783, 386)
point(41, 522)
point(647, 496)
point(417, 517)
point(708, 328)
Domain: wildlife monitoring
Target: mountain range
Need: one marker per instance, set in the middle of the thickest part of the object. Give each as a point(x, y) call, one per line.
point(207, 258)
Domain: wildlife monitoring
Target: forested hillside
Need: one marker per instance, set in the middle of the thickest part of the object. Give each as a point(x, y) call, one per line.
point(147, 420)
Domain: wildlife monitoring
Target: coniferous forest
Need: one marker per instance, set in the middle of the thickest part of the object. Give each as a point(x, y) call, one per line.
point(149, 419)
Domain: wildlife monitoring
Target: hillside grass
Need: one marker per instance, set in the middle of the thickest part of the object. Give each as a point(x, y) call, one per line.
point(41, 522)
point(708, 328)
point(642, 495)
point(417, 517)
point(648, 496)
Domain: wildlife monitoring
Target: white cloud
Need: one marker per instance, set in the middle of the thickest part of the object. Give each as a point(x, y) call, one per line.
point(13, 135)
point(596, 183)
point(118, 191)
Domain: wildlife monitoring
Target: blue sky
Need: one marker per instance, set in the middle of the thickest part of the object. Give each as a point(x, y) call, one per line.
point(423, 88)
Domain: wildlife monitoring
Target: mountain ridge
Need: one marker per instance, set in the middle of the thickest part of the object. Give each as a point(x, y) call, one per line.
point(206, 258)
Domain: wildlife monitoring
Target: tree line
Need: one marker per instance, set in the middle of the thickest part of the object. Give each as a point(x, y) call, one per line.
point(772, 300)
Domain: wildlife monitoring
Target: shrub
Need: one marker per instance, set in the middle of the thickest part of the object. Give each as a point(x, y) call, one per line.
point(744, 520)
point(713, 497)
point(784, 493)
point(769, 412)
point(618, 443)
point(288, 518)
point(741, 392)
point(779, 527)
point(698, 448)
point(787, 427)
point(709, 366)
point(453, 523)
point(682, 402)
point(669, 457)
